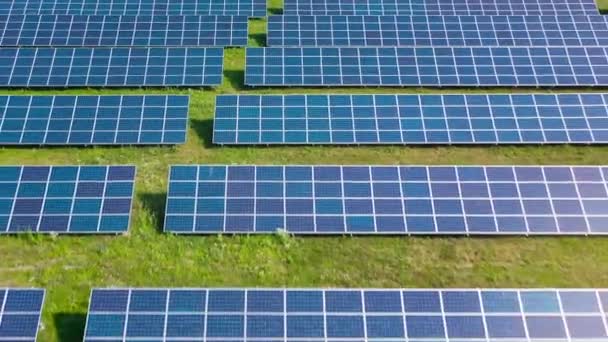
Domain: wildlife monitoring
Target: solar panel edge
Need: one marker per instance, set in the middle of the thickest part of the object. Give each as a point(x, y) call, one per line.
point(497, 231)
point(103, 31)
point(70, 232)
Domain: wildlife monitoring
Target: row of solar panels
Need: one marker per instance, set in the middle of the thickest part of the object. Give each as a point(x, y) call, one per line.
point(257, 8)
point(222, 314)
point(574, 118)
point(215, 199)
point(79, 30)
point(415, 66)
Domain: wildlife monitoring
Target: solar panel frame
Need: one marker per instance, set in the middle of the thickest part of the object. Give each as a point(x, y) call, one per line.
point(128, 31)
point(438, 7)
point(17, 295)
point(83, 202)
point(399, 314)
point(436, 31)
point(207, 209)
point(411, 119)
point(427, 66)
point(252, 8)
point(74, 120)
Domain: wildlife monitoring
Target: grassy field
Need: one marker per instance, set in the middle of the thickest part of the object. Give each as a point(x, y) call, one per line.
point(69, 266)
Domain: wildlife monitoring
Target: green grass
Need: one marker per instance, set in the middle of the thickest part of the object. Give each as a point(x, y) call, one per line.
point(69, 266)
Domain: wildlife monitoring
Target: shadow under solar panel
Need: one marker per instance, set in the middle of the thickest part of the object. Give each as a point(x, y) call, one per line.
point(412, 119)
point(93, 120)
point(405, 200)
point(427, 66)
point(131, 31)
point(66, 199)
point(110, 67)
point(20, 313)
point(252, 8)
point(437, 31)
point(347, 314)
point(440, 7)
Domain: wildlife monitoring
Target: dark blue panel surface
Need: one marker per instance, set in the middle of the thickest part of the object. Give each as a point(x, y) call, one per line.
point(343, 314)
point(420, 31)
point(161, 31)
point(20, 311)
point(66, 199)
point(439, 7)
point(93, 120)
point(428, 66)
point(113, 67)
point(477, 200)
point(411, 119)
point(252, 8)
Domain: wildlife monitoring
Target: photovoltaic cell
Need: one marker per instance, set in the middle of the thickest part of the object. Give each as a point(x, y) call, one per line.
point(557, 315)
point(93, 120)
point(437, 30)
point(20, 311)
point(473, 200)
point(440, 7)
point(66, 199)
point(428, 66)
point(82, 30)
point(412, 119)
point(113, 67)
point(252, 8)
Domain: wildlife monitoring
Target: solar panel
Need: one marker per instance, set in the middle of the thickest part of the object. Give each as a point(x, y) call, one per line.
point(81, 30)
point(557, 315)
point(437, 31)
point(427, 66)
point(115, 67)
point(93, 120)
point(440, 7)
point(20, 311)
point(475, 200)
point(252, 8)
point(66, 199)
point(412, 119)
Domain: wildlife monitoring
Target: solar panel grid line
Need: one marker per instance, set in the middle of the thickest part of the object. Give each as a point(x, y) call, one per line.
point(412, 119)
point(93, 120)
point(427, 66)
point(413, 314)
point(566, 221)
point(255, 8)
point(28, 205)
point(436, 31)
point(20, 313)
point(129, 31)
point(439, 8)
point(119, 67)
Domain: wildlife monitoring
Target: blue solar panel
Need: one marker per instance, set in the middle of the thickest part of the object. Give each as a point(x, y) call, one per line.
point(115, 67)
point(475, 200)
point(252, 8)
point(427, 66)
point(412, 119)
point(82, 30)
point(557, 315)
point(66, 199)
point(437, 30)
point(440, 7)
point(20, 311)
point(93, 120)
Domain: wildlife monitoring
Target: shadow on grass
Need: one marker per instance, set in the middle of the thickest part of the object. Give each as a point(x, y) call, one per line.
point(155, 204)
point(204, 130)
point(236, 78)
point(259, 39)
point(275, 11)
point(70, 326)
